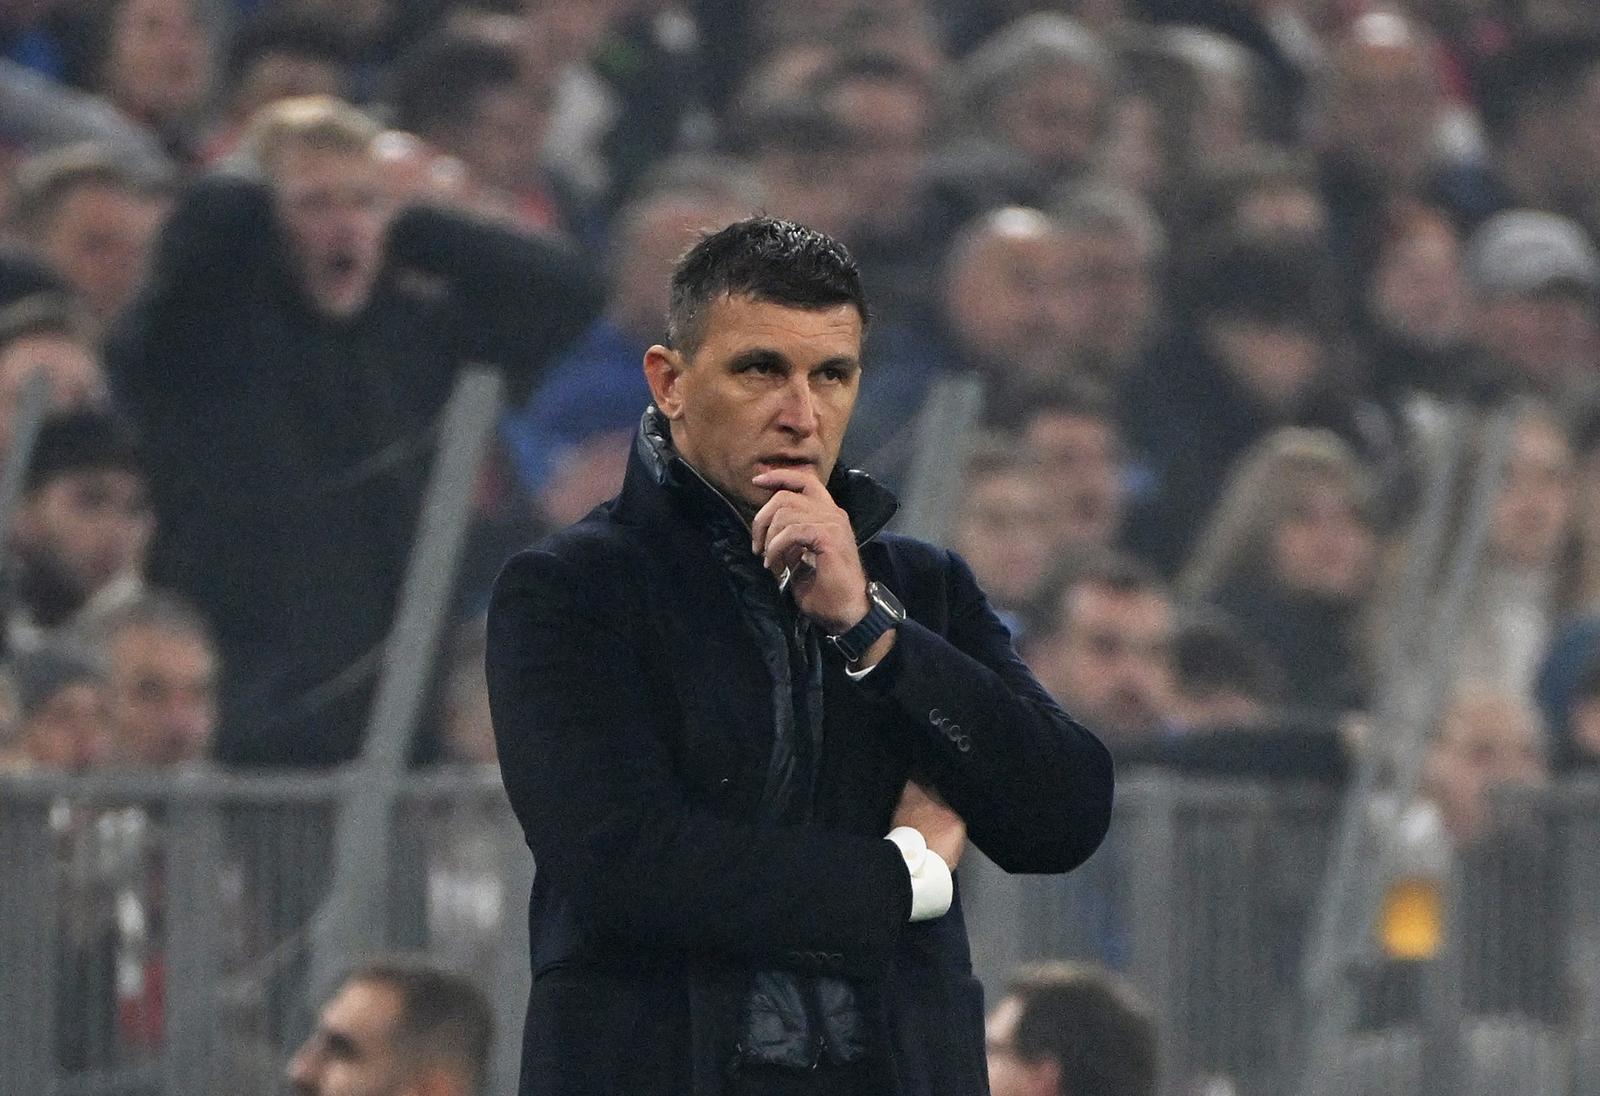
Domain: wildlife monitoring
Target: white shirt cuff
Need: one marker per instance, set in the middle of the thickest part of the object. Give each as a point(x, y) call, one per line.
point(932, 889)
point(857, 675)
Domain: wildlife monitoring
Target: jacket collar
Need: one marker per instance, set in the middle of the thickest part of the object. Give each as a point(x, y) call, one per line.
point(656, 473)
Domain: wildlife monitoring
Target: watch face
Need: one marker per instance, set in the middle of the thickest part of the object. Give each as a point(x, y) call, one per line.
point(883, 599)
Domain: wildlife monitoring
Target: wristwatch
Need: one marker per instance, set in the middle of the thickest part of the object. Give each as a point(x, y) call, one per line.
point(884, 612)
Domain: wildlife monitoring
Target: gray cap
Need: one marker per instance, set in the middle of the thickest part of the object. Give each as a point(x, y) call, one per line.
point(1524, 251)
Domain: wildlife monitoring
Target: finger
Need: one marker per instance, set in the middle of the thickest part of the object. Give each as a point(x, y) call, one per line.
point(788, 545)
point(778, 512)
point(803, 481)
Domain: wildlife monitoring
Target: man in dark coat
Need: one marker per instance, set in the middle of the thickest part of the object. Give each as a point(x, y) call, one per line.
point(289, 359)
point(716, 694)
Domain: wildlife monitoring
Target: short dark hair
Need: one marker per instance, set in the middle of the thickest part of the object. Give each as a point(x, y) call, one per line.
point(1071, 394)
point(82, 440)
point(1105, 567)
point(1090, 1024)
point(442, 1014)
point(292, 33)
point(766, 259)
point(438, 83)
point(1212, 654)
point(1274, 281)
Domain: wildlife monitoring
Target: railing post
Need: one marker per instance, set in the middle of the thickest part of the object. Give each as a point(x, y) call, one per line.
point(196, 919)
point(1152, 869)
point(29, 915)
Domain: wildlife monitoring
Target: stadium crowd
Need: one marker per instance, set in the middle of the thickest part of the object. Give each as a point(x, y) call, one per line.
point(1223, 269)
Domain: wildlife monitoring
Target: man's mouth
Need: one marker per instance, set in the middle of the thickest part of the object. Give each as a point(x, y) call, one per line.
point(786, 462)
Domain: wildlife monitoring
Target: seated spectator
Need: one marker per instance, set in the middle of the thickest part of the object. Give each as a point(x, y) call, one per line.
point(61, 720)
point(1070, 429)
point(1001, 527)
point(296, 344)
point(161, 682)
point(78, 541)
point(93, 220)
point(1068, 1030)
point(44, 333)
point(1291, 553)
point(394, 1028)
point(1103, 647)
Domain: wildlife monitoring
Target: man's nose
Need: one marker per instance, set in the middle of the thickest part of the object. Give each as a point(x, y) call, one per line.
point(799, 411)
point(302, 1071)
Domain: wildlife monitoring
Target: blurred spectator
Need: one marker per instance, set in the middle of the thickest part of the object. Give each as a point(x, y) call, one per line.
point(1270, 193)
point(339, 321)
point(1112, 252)
point(1291, 552)
point(61, 712)
point(396, 1027)
point(797, 150)
point(1103, 647)
point(561, 39)
point(44, 333)
point(278, 56)
point(93, 220)
point(1002, 528)
point(37, 114)
point(1486, 738)
point(1070, 429)
point(1224, 677)
point(161, 677)
point(1536, 279)
point(155, 62)
point(597, 387)
point(78, 541)
point(1068, 1030)
point(1252, 351)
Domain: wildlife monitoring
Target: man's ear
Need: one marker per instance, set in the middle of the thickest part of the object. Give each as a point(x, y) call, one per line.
point(662, 370)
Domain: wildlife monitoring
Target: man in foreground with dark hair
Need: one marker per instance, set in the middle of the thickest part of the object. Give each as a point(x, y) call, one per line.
point(1068, 1030)
point(397, 1028)
point(715, 696)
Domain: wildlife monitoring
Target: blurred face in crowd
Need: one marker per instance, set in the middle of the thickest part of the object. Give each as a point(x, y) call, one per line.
point(335, 212)
point(1080, 457)
point(1485, 740)
point(1009, 1073)
point(159, 64)
point(1277, 363)
point(650, 240)
point(85, 528)
point(1110, 661)
point(76, 378)
point(500, 142)
point(1533, 511)
point(68, 732)
point(99, 240)
point(888, 124)
point(1281, 207)
point(768, 387)
point(1108, 297)
point(1053, 119)
point(1418, 289)
point(1323, 545)
point(356, 1050)
point(1003, 294)
point(163, 694)
point(1003, 533)
point(1385, 99)
point(1549, 337)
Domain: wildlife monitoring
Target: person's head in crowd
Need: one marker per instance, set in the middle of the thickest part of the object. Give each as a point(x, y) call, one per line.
point(1581, 749)
point(1225, 120)
point(279, 56)
point(797, 150)
point(1383, 101)
point(465, 734)
point(1002, 527)
point(156, 60)
point(1538, 101)
point(1269, 193)
point(319, 157)
point(93, 219)
point(60, 710)
point(1532, 524)
point(1069, 428)
point(1263, 309)
point(1417, 291)
point(1112, 251)
point(461, 90)
point(1002, 295)
point(1535, 279)
point(884, 105)
point(679, 202)
point(1486, 739)
point(47, 334)
point(1104, 646)
point(162, 671)
point(1063, 1029)
point(1296, 517)
point(1041, 87)
point(1223, 677)
point(562, 34)
point(84, 521)
point(397, 1027)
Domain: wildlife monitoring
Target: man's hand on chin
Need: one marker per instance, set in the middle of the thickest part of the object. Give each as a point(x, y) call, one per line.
point(802, 530)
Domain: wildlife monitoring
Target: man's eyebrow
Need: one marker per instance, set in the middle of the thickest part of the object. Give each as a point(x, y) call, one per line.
point(842, 361)
point(759, 355)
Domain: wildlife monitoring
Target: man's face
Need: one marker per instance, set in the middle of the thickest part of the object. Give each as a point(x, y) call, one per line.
point(76, 379)
point(768, 387)
point(1111, 664)
point(1005, 300)
point(352, 1052)
point(163, 695)
point(1108, 296)
point(1532, 515)
point(496, 144)
point(1385, 106)
point(1009, 1074)
point(888, 127)
point(160, 59)
point(1055, 119)
point(1277, 363)
point(86, 527)
point(1483, 743)
point(335, 213)
point(1551, 337)
point(1082, 458)
point(99, 239)
point(1004, 535)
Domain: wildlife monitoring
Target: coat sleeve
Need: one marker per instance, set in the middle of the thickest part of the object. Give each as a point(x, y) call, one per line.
point(1033, 785)
point(588, 769)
